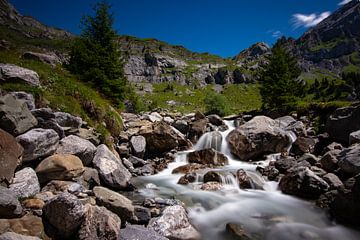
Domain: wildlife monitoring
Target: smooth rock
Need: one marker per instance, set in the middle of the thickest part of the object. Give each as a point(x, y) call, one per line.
point(79, 147)
point(207, 157)
point(215, 120)
point(111, 169)
point(59, 167)
point(9, 205)
point(38, 143)
point(25, 183)
point(10, 156)
point(14, 73)
point(15, 117)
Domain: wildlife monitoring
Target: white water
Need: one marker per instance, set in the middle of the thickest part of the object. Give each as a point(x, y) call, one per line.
point(267, 214)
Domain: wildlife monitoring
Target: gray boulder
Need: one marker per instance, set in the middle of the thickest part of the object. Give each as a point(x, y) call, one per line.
point(15, 236)
point(38, 143)
point(99, 224)
point(139, 232)
point(349, 160)
point(26, 97)
point(62, 216)
point(174, 224)
point(182, 126)
point(289, 123)
point(215, 120)
point(115, 202)
point(15, 117)
point(49, 58)
point(111, 169)
point(9, 205)
point(10, 156)
point(79, 147)
point(354, 137)
point(25, 183)
point(329, 161)
point(68, 120)
point(138, 146)
point(302, 182)
point(13, 73)
point(261, 135)
point(334, 182)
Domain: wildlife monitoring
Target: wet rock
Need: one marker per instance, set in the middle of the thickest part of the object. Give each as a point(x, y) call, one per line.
point(15, 236)
point(62, 216)
point(161, 137)
point(285, 163)
point(99, 223)
point(10, 156)
point(237, 232)
point(182, 126)
point(329, 161)
point(212, 176)
point(349, 160)
point(29, 225)
point(259, 136)
point(59, 167)
point(326, 199)
point(68, 120)
point(244, 180)
point(25, 183)
point(197, 129)
point(115, 202)
point(138, 146)
point(14, 73)
point(9, 205)
point(207, 157)
point(15, 117)
point(26, 97)
point(354, 137)
point(142, 215)
point(38, 143)
point(137, 232)
point(188, 168)
point(342, 123)
point(303, 145)
point(215, 120)
point(111, 169)
point(211, 186)
point(174, 224)
point(302, 182)
point(187, 178)
point(79, 147)
point(334, 182)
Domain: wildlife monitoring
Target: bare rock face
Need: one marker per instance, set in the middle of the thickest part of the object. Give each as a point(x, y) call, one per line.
point(38, 143)
point(14, 73)
point(99, 223)
point(174, 224)
point(62, 216)
point(10, 156)
point(15, 117)
point(259, 136)
point(111, 169)
point(208, 157)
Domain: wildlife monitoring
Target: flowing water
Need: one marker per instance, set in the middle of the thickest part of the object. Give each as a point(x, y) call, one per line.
point(265, 214)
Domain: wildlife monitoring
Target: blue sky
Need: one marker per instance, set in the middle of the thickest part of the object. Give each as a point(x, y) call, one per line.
point(222, 27)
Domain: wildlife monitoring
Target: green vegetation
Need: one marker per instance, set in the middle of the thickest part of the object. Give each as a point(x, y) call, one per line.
point(280, 86)
point(216, 103)
point(327, 45)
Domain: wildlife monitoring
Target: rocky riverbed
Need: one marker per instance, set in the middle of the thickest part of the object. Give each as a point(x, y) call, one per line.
point(174, 176)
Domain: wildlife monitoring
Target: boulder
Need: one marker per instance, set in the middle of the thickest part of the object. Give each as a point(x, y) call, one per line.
point(212, 176)
point(259, 136)
point(43, 114)
point(138, 146)
point(302, 182)
point(285, 163)
point(174, 224)
point(111, 169)
point(68, 120)
point(9, 205)
point(197, 129)
point(28, 98)
point(99, 223)
point(187, 178)
point(14, 73)
point(215, 120)
point(89, 179)
point(161, 137)
point(59, 167)
point(79, 147)
point(329, 161)
point(181, 125)
point(288, 123)
point(115, 202)
point(139, 232)
point(342, 123)
point(211, 186)
point(303, 145)
point(62, 216)
point(136, 162)
point(10, 156)
point(38, 143)
point(89, 134)
point(334, 182)
point(189, 168)
point(29, 225)
point(354, 137)
point(142, 215)
point(207, 157)
point(15, 236)
point(49, 58)
point(349, 159)
point(25, 183)
point(245, 182)
point(15, 117)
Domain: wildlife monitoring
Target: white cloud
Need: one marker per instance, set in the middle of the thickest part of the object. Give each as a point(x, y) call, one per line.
point(343, 2)
point(276, 34)
point(303, 20)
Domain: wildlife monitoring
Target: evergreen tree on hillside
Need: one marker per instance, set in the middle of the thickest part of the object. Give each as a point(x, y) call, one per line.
point(280, 86)
point(95, 56)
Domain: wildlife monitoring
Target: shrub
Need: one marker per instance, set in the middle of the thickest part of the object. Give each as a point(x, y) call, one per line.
point(216, 104)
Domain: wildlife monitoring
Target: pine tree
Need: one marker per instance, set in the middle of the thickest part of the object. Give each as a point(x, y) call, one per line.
point(280, 86)
point(95, 56)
